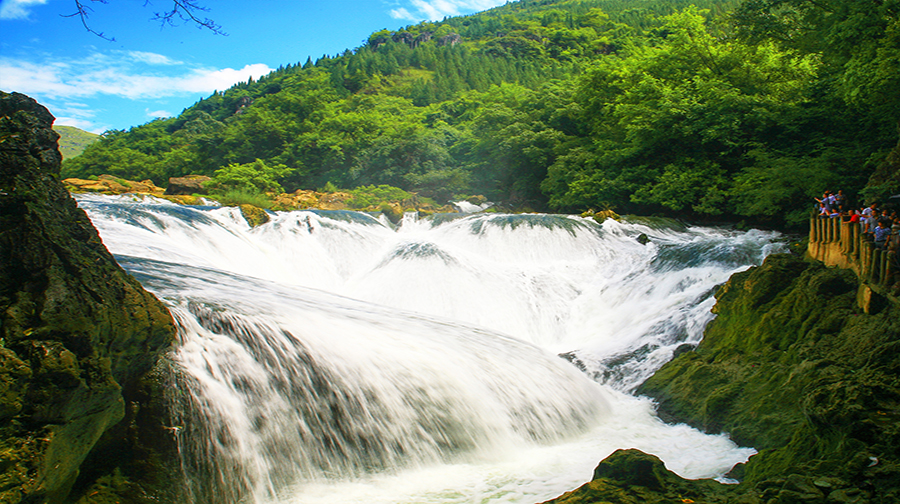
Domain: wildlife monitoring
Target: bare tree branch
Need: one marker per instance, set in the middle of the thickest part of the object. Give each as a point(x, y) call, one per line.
point(82, 11)
point(185, 10)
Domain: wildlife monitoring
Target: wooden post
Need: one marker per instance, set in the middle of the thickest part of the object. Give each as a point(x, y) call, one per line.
point(889, 272)
point(864, 263)
point(845, 235)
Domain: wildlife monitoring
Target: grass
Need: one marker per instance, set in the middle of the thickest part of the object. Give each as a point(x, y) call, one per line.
point(236, 197)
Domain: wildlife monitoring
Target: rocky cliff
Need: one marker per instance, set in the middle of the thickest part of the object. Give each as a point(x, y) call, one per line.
point(793, 366)
point(78, 335)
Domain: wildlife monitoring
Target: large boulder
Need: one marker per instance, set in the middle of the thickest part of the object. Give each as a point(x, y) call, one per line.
point(793, 367)
point(77, 333)
point(189, 184)
point(634, 477)
point(108, 184)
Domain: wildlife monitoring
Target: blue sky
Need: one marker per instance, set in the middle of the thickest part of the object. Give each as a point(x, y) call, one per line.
point(153, 71)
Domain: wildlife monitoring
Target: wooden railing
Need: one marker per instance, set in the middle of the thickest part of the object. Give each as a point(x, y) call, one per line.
point(843, 244)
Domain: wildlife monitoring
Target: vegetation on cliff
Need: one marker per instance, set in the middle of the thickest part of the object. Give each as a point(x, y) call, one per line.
point(644, 106)
point(794, 367)
point(78, 335)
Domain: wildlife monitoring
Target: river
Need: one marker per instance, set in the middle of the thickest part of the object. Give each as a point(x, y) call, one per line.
point(331, 357)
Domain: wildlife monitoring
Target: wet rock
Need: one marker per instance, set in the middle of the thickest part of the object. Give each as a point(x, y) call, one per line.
point(108, 184)
point(254, 215)
point(792, 367)
point(633, 468)
point(800, 489)
point(602, 215)
point(869, 301)
point(634, 477)
point(77, 333)
point(393, 211)
point(189, 184)
point(848, 496)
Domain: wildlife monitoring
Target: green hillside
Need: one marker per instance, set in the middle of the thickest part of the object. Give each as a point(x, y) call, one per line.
point(645, 106)
point(73, 141)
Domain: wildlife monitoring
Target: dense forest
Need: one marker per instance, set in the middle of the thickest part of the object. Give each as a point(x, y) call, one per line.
point(709, 110)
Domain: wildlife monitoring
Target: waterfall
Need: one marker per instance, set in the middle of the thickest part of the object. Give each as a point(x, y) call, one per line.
point(334, 357)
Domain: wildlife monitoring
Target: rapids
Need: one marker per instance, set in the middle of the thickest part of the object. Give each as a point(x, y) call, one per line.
point(485, 358)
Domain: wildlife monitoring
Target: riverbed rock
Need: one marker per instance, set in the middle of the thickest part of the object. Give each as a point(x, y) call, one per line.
point(78, 335)
point(634, 477)
point(793, 367)
point(189, 184)
point(254, 215)
point(393, 212)
point(108, 184)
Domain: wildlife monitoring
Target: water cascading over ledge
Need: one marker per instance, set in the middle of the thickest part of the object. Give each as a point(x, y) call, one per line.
point(325, 352)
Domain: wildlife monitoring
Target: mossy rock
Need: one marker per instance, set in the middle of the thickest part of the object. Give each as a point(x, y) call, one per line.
point(254, 215)
point(602, 215)
point(393, 211)
point(77, 333)
point(634, 477)
point(793, 367)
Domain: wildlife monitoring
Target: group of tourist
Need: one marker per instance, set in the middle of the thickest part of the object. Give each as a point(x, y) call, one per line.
point(880, 225)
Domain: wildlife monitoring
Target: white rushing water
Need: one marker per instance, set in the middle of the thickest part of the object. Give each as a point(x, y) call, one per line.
point(330, 357)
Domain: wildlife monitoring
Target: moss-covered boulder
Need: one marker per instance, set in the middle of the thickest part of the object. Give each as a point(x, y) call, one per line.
point(634, 477)
point(254, 215)
point(188, 184)
point(393, 212)
point(108, 184)
point(78, 334)
point(793, 367)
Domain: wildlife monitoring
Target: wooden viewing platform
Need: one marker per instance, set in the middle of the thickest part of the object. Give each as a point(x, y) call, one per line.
point(842, 244)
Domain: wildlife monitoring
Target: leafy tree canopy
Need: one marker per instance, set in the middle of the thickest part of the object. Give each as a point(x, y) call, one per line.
point(706, 109)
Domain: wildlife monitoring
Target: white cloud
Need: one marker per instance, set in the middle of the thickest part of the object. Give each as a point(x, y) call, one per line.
point(402, 13)
point(158, 113)
point(152, 58)
point(78, 123)
point(211, 80)
point(435, 10)
point(18, 9)
point(101, 74)
point(79, 115)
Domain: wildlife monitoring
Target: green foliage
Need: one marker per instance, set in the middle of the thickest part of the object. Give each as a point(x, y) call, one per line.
point(811, 369)
point(255, 177)
point(674, 121)
point(329, 187)
point(242, 196)
point(73, 141)
point(369, 196)
point(650, 106)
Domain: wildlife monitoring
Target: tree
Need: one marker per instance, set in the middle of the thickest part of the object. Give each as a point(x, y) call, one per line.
point(673, 122)
point(255, 177)
point(184, 10)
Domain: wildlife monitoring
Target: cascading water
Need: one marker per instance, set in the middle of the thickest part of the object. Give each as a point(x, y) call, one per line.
point(329, 357)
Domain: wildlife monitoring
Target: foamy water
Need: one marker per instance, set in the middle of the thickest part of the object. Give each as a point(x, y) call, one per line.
point(328, 357)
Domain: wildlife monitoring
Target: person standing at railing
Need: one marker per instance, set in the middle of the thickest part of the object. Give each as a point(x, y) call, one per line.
point(840, 201)
point(826, 203)
point(881, 233)
point(870, 221)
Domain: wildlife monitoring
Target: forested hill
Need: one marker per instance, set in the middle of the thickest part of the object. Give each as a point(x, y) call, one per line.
point(704, 109)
